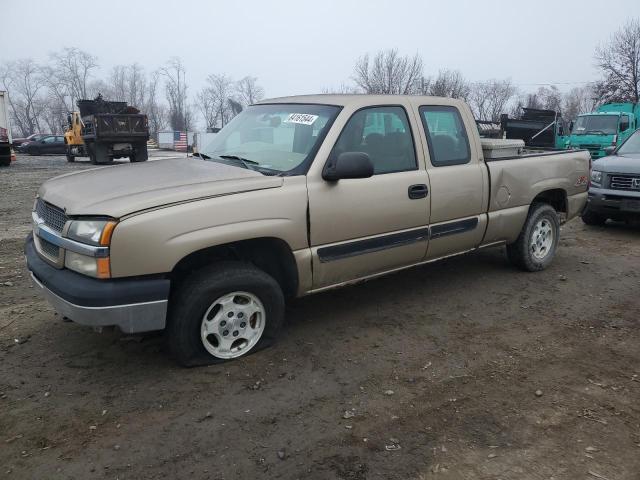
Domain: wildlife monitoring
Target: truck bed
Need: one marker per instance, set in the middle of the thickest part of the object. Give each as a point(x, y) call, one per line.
point(118, 126)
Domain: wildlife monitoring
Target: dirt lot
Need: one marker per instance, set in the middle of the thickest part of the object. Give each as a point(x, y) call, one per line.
point(427, 374)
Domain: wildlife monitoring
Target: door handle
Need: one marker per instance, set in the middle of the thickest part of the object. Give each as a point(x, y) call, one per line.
point(418, 191)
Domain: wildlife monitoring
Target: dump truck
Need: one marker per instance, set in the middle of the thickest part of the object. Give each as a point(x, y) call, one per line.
point(104, 130)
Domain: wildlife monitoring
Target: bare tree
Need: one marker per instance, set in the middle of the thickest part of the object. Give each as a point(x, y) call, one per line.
point(449, 83)
point(388, 73)
point(489, 99)
point(72, 70)
point(176, 93)
point(579, 100)
point(248, 91)
point(24, 81)
point(206, 104)
point(156, 112)
point(343, 88)
point(214, 100)
point(545, 98)
point(619, 61)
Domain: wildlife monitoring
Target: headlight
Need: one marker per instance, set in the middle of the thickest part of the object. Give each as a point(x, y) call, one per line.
point(92, 266)
point(596, 177)
point(93, 232)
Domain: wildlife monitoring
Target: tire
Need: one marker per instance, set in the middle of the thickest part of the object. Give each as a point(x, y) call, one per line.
point(591, 218)
point(200, 296)
point(537, 243)
point(140, 154)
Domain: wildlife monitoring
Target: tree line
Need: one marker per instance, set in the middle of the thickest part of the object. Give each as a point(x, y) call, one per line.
point(42, 94)
point(389, 72)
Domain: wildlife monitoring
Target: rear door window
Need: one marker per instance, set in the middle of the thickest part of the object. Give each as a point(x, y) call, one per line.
point(446, 135)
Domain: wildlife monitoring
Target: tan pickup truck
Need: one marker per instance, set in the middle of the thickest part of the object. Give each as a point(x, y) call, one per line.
point(294, 196)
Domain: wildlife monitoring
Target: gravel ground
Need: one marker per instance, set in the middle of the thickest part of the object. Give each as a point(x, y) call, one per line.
point(466, 368)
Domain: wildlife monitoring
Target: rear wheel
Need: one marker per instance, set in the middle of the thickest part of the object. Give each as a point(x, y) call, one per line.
point(591, 218)
point(140, 153)
point(537, 243)
point(70, 157)
point(224, 312)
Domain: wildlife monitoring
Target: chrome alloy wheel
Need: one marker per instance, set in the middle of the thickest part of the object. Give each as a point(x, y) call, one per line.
point(542, 238)
point(232, 325)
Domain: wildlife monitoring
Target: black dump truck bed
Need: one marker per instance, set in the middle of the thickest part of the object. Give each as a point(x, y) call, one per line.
point(113, 130)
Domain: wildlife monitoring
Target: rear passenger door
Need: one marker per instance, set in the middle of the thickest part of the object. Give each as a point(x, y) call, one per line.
point(458, 177)
point(360, 227)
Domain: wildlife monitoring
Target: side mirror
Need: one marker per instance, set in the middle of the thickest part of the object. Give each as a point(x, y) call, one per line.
point(348, 165)
point(609, 150)
point(624, 126)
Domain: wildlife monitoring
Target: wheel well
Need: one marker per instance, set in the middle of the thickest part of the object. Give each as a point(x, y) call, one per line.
point(557, 198)
point(272, 255)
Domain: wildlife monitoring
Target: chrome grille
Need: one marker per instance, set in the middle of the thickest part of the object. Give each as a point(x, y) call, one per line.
point(624, 182)
point(53, 217)
point(49, 249)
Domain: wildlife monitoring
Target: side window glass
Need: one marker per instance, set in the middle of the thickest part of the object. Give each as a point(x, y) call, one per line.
point(624, 123)
point(49, 139)
point(447, 137)
point(384, 134)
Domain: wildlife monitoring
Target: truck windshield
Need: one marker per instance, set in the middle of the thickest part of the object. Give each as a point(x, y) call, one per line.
point(596, 125)
point(631, 146)
point(274, 138)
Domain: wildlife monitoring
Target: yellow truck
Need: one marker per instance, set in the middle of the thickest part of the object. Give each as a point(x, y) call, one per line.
point(73, 137)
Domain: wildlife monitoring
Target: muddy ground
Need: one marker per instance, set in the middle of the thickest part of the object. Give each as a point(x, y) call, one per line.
point(427, 374)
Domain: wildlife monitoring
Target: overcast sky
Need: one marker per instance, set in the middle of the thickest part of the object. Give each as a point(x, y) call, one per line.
point(296, 47)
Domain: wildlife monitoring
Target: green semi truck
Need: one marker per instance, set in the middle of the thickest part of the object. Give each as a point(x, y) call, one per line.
point(609, 126)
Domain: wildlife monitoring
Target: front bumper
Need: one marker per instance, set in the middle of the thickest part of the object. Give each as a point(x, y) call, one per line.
point(133, 305)
point(613, 203)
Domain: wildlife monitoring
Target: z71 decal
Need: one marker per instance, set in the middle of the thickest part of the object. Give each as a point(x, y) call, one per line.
point(582, 180)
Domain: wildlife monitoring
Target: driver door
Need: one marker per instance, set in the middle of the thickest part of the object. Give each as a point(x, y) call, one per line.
point(362, 227)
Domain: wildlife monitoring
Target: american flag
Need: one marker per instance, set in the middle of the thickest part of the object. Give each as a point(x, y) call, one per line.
point(180, 141)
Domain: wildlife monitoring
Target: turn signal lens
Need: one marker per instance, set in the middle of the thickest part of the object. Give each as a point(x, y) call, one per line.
point(103, 268)
point(105, 238)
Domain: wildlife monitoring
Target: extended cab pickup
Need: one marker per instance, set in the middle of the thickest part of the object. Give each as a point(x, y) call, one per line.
point(294, 196)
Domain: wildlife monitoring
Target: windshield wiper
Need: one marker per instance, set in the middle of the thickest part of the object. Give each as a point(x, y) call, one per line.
point(597, 132)
point(244, 161)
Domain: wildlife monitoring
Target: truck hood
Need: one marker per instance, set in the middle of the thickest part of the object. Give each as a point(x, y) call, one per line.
point(618, 164)
point(116, 191)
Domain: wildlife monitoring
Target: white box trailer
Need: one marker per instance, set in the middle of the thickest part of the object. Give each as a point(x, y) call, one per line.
point(5, 131)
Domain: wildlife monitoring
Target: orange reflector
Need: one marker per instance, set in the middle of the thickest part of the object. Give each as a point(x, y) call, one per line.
point(105, 238)
point(104, 267)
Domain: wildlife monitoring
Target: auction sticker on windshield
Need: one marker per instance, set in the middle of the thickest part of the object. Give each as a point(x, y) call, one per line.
point(301, 118)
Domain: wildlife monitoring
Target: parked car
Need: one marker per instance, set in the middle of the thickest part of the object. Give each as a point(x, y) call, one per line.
point(295, 196)
point(34, 137)
point(51, 144)
point(615, 184)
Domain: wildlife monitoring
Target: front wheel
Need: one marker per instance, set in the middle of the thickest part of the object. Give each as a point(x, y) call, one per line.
point(224, 312)
point(537, 243)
